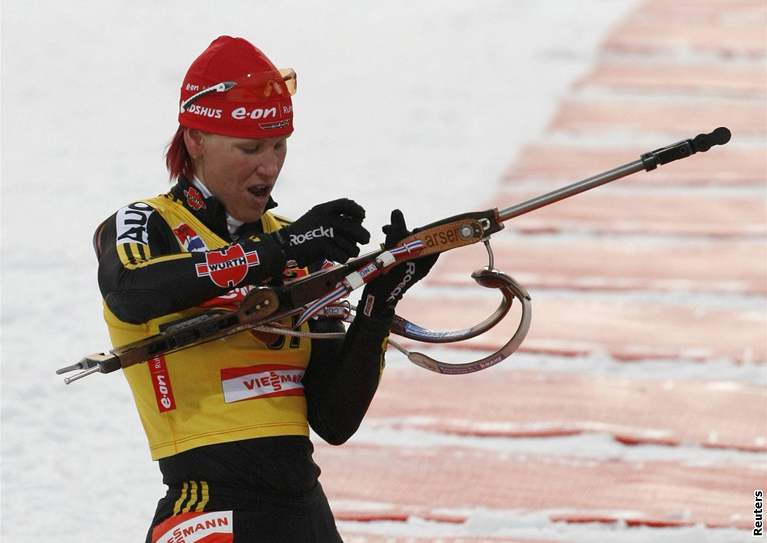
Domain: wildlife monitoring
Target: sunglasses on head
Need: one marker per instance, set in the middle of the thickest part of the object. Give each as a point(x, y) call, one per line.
point(251, 88)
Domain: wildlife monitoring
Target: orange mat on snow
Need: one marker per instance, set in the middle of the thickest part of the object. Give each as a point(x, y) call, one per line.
point(461, 477)
point(503, 403)
point(612, 265)
point(702, 79)
point(361, 537)
point(684, 119)
point(627, 330)
point(703, 221)
point(727, 167)
point(714, 27)
point(619, 212)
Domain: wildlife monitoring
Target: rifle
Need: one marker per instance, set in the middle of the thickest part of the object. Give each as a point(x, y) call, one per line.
point(321, 292)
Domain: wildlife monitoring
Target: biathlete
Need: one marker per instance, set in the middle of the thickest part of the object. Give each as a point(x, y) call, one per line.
point(228, 421)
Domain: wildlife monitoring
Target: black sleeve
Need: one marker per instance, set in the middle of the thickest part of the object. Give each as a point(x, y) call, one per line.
point(343, 375)
point(143, 273)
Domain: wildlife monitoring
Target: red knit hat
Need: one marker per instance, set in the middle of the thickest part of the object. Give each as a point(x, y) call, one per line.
point(232, 89)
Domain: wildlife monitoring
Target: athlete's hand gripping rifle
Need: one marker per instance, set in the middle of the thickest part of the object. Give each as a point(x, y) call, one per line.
point(263, 307)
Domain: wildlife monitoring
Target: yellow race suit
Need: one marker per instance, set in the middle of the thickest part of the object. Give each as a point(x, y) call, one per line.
point(227, 420)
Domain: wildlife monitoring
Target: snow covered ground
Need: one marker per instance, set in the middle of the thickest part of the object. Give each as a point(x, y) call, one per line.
point(419, 105)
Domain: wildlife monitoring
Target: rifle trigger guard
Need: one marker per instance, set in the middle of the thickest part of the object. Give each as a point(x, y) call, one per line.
point(488, 278)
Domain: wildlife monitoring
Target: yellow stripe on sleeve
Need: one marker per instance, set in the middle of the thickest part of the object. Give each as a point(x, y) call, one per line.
point(205, 496)
point(124, 259)
point(132, 254)
point(143, 264)
point(180, 500)
point(143, 252)
point(192, 498)
point(382, 359)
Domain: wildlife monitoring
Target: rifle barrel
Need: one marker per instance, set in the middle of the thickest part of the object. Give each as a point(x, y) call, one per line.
point(570, 190)
point(648, 161)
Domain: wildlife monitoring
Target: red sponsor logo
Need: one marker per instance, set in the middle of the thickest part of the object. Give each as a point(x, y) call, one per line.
point(262, 381)
point(194, 199)
point(163, 391)
point(227, 267)
point(212, 527)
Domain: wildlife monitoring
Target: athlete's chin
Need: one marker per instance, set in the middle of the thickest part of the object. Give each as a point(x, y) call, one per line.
point(248, 207)
point(251, 215)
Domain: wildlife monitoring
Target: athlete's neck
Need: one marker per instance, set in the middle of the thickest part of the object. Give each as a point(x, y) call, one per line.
point(232, 224)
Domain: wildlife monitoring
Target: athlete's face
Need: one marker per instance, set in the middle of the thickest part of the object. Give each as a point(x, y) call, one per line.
point(240, 172)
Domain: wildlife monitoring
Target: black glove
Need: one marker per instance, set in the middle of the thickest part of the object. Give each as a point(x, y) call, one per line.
point(331, 230)
point(382, 294)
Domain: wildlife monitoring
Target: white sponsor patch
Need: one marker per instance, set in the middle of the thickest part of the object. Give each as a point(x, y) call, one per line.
point(199, 527)
point(132, 223)
point(262, 381)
